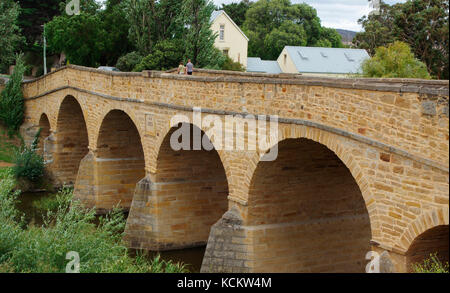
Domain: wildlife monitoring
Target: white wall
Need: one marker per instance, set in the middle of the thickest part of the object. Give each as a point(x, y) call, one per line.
point(234, 41)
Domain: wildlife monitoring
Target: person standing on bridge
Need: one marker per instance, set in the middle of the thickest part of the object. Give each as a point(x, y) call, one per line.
point(181, 68)
point(189, 67)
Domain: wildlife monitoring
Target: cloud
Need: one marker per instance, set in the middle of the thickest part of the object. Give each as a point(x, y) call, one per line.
point(343, 14)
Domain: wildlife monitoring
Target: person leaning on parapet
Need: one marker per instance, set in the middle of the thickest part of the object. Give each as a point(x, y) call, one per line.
point(181, 69)
point(189, 67)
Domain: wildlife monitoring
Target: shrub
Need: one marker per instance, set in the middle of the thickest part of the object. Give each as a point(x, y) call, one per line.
point(396, 60)
point(129, 61)
point(28, 164)
point(229, 64)
point(166, 54)
point(431, 265)
point(70, 228)
point(11, 99)
point(52, 203)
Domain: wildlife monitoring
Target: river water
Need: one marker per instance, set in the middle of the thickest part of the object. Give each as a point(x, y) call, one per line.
point(192, 257)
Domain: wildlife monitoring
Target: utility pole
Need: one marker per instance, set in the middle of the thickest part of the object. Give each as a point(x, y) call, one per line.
point(45, 52)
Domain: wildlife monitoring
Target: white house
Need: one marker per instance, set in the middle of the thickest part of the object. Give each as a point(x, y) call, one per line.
point(231, 40)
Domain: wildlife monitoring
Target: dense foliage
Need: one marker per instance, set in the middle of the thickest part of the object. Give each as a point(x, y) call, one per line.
point(199, 39)
point(166, 54)
point(272, 24)
point(11, 99)
point(237, 10)
point(431, 265)
point(32, 15)
point(70, 228)
point(423, 25)
point(129, 61)
point(28, 164)
point(396, 60)
point(10, 39)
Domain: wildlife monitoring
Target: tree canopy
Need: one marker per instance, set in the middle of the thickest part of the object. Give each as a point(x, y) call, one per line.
point(10, 39)
point(393, 61)
point(280, 23)
point(423, 25)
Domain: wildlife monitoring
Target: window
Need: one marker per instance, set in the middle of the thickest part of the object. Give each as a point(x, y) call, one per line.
point(285, 59)
point(225, 52)
point(222, 32)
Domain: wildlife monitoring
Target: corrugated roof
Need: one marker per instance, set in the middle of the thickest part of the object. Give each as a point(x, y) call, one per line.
point(327, 60)
point(215, 14)
point(255, 64)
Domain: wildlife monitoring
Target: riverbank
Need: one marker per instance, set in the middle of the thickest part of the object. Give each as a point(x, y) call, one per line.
point(43, 248)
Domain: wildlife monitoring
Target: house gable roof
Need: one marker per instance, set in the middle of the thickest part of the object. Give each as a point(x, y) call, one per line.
point(217, 13)
point(327, 60)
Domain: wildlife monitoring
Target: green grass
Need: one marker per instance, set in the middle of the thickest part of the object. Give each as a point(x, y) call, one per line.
point(7, 149)
point(70, 228)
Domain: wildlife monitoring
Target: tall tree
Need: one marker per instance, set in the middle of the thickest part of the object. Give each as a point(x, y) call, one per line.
point(152, 21)
point(11, 99)
point(237, 11)
point(280, 23)
point(80, 37)
point(199, 38)
point(32, 15)
point(421, 24)
point(116, 26)
point(10, 38)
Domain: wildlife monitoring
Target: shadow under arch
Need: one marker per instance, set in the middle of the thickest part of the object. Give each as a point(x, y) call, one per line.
point(190, 190)
point(435, 240)
point(120, 160)
point(71, 141)
point(44, 125)
point(311, 210)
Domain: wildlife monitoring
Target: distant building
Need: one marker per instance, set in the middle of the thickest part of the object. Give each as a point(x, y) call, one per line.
point(337, 62)
point(255, 64)
point(321, 61)
point(231, 40)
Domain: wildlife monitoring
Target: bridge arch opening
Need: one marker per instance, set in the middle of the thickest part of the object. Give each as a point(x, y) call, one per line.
point(432, 241)
point(308, 212)
point(120, 160)
point(71, 141)
point(191, 188)
point(44, 125)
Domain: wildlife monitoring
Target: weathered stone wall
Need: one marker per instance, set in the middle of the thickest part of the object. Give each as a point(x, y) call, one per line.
point(391, 135)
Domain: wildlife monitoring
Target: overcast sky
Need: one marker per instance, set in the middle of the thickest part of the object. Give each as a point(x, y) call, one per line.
point(342, 14)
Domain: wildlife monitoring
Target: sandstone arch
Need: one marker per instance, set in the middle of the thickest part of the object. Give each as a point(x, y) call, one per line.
point(70, 142)
point(120, 161)
point(310, 211)
point(184, 197)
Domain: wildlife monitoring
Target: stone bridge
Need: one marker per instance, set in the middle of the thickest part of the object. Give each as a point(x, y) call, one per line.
point(362, 164)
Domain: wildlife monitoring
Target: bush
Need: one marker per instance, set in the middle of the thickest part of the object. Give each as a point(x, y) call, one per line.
point(396, 60)
point(129, 61)
point(166, 55)
point(52, 203)
point(229, 64)
point(431, 265)
point(28, 164)
point(70, 228)
point(11, 99)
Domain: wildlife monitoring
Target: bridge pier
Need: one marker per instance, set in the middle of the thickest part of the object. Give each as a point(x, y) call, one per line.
point(105, 183)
